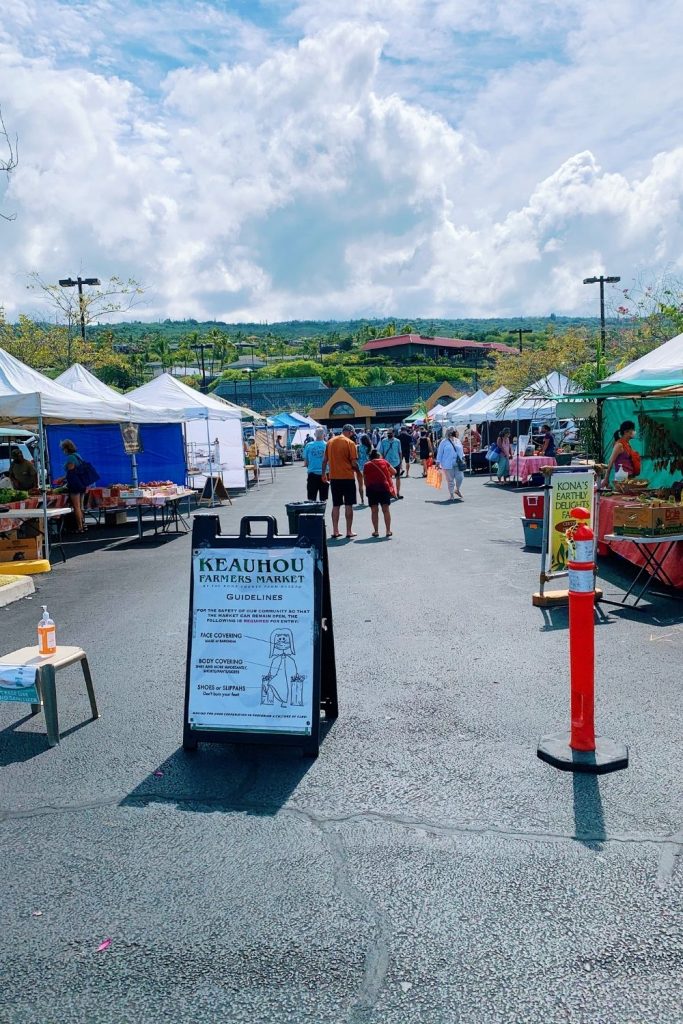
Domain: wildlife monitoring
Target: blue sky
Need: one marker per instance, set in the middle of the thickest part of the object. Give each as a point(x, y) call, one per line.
point(301, 160)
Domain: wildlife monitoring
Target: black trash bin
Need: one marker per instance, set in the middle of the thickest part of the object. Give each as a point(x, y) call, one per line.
point(297, 508)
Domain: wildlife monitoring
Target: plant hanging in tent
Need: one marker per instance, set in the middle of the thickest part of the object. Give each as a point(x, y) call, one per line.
point(660, 446)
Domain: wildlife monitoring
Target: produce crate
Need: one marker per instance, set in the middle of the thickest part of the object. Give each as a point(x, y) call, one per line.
point(533, 533)
point(534, 505)
point(648, 520)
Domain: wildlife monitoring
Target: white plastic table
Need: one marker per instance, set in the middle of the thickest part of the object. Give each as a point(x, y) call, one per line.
point(21, 515)
point(47, 667)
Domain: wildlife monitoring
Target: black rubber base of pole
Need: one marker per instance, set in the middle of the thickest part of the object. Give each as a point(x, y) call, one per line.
point(608, 756)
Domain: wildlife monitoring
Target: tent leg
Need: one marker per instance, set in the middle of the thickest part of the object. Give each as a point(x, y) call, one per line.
point(213, 501)
point(43, 486)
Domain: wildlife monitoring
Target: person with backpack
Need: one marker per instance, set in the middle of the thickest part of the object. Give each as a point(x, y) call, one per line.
point(78, 475)
point(450, 459)
point(390, 451)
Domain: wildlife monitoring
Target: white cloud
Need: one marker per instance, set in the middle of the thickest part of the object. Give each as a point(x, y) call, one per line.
point(327, 176)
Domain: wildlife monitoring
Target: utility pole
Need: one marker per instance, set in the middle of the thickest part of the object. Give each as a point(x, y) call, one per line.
point(68, 282)
point(520, 331)
point(600, 353)
point(600, 348)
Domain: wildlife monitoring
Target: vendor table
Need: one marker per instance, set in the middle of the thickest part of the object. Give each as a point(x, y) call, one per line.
point(672, 562)
point(655, 551)
point(15, 517)
point(168, 506)
point(521, 468)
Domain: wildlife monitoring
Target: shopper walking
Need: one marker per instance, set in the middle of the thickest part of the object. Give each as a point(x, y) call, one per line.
point(505, 453)
point(390, 449)
point(406, 441)
point(341, 460)
point(317, 486)
point(379, 487)
point(450, 459)
point(425, 450)
point(364, 449)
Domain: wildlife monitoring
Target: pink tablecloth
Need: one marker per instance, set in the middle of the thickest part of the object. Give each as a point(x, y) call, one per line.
point(672, 564)
point(522, 468)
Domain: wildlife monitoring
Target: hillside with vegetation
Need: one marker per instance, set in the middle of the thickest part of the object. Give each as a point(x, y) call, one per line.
point(126, 353)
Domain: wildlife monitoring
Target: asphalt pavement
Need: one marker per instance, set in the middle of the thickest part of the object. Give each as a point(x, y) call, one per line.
point(426, 868)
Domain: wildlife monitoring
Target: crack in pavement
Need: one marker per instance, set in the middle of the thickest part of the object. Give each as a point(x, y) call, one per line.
point(438, 827)
point(668, 860)
point(378, 953)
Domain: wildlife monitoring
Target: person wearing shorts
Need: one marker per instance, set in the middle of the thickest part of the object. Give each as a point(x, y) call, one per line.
point(379, 490)
point(340, 463)
point(317, 486)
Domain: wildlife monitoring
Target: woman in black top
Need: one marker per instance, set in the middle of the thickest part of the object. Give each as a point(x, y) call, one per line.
point(425, 450)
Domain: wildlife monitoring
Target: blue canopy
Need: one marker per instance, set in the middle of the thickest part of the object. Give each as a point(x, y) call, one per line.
point(286, 419)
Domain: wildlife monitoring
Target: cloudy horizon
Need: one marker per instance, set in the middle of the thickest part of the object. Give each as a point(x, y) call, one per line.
point(275, 161)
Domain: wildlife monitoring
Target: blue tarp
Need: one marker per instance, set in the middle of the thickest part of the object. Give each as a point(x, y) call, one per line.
point(163, 457)
point(284, 419)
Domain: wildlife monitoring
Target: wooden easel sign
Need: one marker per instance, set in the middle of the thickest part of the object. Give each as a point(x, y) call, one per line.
point(257, 641)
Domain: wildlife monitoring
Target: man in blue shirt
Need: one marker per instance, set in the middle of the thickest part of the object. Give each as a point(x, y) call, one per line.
point(316, 484)
point(390, 449)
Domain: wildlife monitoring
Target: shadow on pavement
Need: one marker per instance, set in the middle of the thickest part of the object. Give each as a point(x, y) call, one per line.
point(17, 746)
point(589, 818)
point(558, 618)
point(256, 780)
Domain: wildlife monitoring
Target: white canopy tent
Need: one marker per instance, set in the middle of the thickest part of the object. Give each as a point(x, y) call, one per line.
point(537, 400)
point(458, 411)
point(29, 397)
point(81, 381)
point(662, 366)
point(489, 408)
point(442, 412)
point(208, 421)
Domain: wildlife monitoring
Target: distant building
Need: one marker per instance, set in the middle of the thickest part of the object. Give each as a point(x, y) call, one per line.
point(404, 347)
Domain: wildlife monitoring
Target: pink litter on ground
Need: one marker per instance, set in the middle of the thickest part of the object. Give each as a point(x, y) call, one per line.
point(159, 775)
point(103, 945)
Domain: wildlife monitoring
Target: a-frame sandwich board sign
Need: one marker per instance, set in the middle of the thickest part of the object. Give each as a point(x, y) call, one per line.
point(260, 653)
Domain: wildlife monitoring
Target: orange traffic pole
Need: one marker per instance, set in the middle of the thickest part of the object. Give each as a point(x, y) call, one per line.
point(579, 750)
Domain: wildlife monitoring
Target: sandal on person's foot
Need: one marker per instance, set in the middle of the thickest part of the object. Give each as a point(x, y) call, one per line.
point(350, 536)
point(374, 535)
point(389, 534)
point(335, 536)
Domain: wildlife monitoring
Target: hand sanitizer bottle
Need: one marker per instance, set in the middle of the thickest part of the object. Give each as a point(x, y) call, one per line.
point(47, 635)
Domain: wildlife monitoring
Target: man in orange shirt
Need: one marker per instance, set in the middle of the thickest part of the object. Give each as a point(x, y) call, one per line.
point(340, 464)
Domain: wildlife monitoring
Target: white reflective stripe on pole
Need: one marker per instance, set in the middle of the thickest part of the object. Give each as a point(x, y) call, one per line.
point(581, 581)
point(583, 550)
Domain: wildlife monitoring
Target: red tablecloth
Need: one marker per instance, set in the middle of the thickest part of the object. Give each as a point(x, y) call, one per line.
point(672, 564)
point(522, 468)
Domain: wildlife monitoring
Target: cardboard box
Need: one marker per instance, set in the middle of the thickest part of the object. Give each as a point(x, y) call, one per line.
point(639, 520)
point(28, 548)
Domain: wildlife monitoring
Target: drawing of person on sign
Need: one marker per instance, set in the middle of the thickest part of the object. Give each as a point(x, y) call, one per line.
point(283, 683)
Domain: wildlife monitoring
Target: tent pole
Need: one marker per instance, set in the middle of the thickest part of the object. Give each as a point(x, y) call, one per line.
point(213, 485)
point(43, 486)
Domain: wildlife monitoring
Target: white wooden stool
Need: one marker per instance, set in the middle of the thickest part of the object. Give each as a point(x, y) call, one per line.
point(45, 680)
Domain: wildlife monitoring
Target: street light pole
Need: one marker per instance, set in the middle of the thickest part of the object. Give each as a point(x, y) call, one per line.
point(600, 354)
point(520, 331)
point(68, 282)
